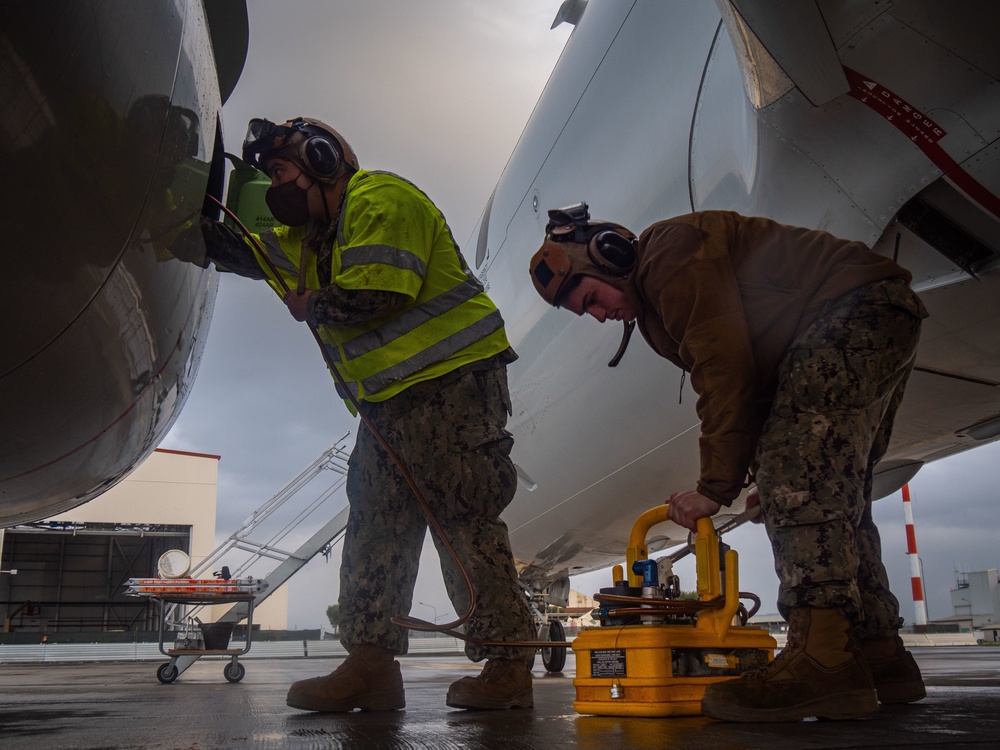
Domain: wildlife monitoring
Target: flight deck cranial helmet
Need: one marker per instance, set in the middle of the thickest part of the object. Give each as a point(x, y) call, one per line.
point(319, 150)
point(576, 246)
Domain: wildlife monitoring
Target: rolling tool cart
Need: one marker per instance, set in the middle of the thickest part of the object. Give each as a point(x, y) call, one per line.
point(177, 584)
point(215, 636)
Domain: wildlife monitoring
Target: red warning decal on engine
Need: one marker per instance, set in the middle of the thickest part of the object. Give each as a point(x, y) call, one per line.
point(923, 131)
point(914, 123)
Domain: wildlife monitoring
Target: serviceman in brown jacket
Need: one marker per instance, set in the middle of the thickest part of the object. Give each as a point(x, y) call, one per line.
point(799, 345)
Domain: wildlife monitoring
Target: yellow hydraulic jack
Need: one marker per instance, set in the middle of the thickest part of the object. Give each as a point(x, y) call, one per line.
point(655, 654)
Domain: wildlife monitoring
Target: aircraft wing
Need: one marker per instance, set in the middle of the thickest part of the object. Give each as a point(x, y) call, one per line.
point(874, 121)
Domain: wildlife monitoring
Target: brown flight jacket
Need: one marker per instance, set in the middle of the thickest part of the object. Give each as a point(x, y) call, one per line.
point(724, 296)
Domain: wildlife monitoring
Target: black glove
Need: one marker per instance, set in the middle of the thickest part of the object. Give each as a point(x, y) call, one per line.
point(189, 244)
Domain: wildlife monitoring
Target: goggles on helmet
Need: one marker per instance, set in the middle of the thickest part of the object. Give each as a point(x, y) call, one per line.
point(566, 222)
point(264, 137)
point(550, 270)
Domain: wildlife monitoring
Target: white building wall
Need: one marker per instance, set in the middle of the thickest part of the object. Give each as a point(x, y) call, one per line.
point(576, 600)
point(169, 487)
point(980, 583)
point(175, 487)
point(978, 599)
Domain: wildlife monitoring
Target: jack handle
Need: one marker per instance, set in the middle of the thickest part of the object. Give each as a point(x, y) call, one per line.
point(708, 566)
point(637, 550)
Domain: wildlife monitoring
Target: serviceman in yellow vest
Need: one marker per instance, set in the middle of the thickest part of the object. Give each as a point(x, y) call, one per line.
point(373, 266)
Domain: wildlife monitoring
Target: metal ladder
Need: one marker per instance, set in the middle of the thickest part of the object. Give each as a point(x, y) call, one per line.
point(333, 459)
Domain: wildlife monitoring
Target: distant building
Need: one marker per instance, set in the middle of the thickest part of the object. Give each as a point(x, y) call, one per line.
point(579, 610)
point(576, 613)
point(71, 567)
point(775, 624)
point(975, 599)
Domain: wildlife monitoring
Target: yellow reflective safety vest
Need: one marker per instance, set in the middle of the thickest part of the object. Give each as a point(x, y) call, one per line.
point(391, 237)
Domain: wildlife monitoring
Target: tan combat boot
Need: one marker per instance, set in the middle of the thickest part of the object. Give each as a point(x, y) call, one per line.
point(369, 679)
point(895, 674)
point(503, 683)
point(820, 672)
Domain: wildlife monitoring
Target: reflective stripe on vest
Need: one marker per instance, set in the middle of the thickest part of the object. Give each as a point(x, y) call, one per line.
point(411, 320)
point(439, 351)
point(384, 254)
point(273, 246)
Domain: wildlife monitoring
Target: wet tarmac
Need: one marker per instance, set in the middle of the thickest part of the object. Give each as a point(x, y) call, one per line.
point(122, 705)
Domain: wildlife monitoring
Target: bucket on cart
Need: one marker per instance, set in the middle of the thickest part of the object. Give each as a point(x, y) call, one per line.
point(217, 635)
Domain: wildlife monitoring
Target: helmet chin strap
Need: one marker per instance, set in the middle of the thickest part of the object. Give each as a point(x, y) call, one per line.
point(319, 234)
point(300, 288)
point(326, 207)
point(626, 335)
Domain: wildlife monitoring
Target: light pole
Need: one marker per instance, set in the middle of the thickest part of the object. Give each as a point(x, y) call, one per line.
point(923, 580)
point(433, 608)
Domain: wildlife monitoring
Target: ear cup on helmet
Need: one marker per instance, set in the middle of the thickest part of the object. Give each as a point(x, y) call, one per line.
point(612, 252)
point(320, 156)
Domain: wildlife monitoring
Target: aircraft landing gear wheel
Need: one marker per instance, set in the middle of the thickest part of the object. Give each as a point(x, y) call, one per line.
point(167, 673)
point(554, 659)
point(234, 671)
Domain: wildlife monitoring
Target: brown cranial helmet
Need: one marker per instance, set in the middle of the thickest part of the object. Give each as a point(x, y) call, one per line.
point(576, 246)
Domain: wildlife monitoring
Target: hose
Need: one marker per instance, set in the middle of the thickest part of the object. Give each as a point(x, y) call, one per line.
point(674, 606)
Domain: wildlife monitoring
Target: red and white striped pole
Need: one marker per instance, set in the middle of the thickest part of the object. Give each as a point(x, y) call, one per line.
point(916, 577)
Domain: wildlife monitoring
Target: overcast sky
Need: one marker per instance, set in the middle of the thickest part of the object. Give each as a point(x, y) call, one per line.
point(438, 91)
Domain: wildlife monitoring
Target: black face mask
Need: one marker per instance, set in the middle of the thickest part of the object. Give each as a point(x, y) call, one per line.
point(289, 203)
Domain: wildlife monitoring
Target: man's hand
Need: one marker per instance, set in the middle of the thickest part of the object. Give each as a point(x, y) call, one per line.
point(298, 304)
point(687, 507)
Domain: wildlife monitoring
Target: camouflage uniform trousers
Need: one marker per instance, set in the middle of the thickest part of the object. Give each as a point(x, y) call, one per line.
point(450, 434)
point(839, 388)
